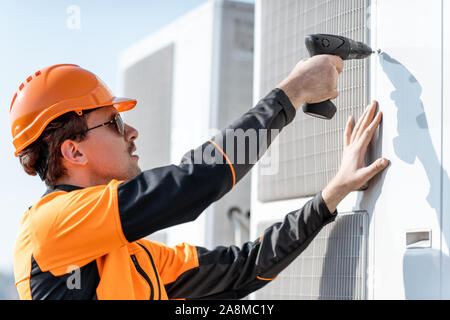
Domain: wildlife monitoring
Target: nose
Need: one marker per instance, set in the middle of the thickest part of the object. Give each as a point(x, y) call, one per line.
point(131, 133)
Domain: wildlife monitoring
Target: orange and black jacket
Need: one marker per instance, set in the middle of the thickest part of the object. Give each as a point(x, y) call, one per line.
point(88, 243)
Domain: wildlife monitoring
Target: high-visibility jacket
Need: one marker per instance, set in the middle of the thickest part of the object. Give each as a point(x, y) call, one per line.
point(88, 243)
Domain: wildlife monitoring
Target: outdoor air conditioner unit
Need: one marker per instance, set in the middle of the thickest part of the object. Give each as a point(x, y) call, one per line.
point(392, 240)
point(192, 78)
point(309, 149)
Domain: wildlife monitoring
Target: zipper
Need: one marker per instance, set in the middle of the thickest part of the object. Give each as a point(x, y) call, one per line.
point(154, 269)
point(143, 274)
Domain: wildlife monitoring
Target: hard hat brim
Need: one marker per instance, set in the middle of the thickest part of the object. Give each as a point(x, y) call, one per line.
point(124, 104)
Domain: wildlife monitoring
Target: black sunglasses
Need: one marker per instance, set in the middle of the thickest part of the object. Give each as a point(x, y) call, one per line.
point(120, 126)
point(41, 166)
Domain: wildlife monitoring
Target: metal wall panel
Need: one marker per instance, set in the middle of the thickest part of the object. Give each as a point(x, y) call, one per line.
point(309, 148)
point(232, 87)
point(150, 81)
point(410, 199)
point(333, 266)
point(445, 280)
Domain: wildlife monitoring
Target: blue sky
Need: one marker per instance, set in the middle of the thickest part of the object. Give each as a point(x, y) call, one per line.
point(36, 34)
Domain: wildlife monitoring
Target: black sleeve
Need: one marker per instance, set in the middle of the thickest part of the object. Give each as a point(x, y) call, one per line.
point(167, 196)
point(232, 272)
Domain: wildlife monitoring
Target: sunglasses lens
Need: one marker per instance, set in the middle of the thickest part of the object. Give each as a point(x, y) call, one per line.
point(119, 124)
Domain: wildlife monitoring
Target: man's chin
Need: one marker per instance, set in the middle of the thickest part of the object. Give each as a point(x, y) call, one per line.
point(135, 171)
point(138, 171)
point(130, 174)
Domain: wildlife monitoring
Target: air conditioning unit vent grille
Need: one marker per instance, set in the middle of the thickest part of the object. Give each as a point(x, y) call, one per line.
point(309, 148)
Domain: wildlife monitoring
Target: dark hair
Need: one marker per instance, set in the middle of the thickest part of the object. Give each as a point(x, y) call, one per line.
point(44, 155)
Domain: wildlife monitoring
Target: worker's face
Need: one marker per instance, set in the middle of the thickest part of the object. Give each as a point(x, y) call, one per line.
point(110, 154)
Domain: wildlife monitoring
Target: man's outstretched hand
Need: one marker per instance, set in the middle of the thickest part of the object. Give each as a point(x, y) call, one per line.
point(353, 173)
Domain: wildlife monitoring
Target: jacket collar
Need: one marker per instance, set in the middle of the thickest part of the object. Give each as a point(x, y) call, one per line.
point(61, 187)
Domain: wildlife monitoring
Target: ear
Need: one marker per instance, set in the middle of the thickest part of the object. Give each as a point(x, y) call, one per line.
point(72, 153)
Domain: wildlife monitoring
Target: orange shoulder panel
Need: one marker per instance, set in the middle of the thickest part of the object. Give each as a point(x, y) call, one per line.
point(74, 228)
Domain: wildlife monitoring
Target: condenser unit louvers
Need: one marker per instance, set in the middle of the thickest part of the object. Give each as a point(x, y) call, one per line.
point(332, 267)
point(309, 149)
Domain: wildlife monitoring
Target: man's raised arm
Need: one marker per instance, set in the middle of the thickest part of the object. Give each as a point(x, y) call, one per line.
point(167, 196)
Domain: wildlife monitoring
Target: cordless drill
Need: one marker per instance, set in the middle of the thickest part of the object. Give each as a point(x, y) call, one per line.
point(337, 45)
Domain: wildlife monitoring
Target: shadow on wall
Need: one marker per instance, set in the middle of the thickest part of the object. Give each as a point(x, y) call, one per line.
point(414, 142)
point(413, 131)
point(366, 200)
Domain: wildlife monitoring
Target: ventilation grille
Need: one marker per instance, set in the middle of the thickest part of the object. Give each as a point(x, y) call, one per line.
point(309, 148)
point(332, 267)
point(150, 82)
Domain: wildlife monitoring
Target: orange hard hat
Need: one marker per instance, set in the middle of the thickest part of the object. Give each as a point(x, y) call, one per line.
point(53, 91)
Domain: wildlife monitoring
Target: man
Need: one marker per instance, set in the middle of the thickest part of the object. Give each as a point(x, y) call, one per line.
point(84, 239)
